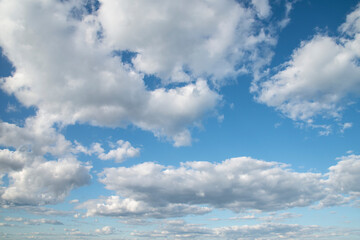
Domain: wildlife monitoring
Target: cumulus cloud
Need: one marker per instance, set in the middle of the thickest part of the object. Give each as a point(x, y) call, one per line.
point(239, 184)
point(36, 138)
point(105, 230)
point(45, 183)
point(68, 61)
point(344, 176)
point(119, 152)
point(33, 180)
point(11, 160)
point(178, 41)
point(124, 150)
point(321, 77)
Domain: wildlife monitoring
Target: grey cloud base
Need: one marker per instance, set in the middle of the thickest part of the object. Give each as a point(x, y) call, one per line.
point(237, 184)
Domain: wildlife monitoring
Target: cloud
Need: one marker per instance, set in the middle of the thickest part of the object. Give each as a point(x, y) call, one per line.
point(105, 230)
point(36, 138)
point(181, 230)
point(45, 211)
point(33, 221)
point(344, 176)
point(6, 225)
point(114, 206)
point(321, 77)
point(74, 201)
point(33, 180)
point(345, 126)
point(262, 7)
point(119, 152)
point(236, 184)
point(124, 150)
point(45, 182)
point(11, 160)
point(42, 221)
point(12, 219)
point(181, 41)
point(69, 61)
point(151, 190)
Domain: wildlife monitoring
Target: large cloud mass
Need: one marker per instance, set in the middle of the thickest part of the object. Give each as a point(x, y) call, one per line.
point(69, 61)
point(237, 184)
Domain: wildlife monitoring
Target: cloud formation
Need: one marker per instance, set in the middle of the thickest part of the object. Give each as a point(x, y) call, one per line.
point(321, 77)
point(175, 42)
point(45, 182)
point(237, 184)
point(181, 230)
point(34, 180)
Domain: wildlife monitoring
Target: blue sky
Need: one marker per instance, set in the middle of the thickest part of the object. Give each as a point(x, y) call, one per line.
point(179, 119)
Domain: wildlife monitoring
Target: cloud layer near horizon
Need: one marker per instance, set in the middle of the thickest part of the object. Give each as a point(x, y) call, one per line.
point(237, 184)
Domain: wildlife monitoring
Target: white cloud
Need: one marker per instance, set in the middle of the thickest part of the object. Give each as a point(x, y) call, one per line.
point(6, 225)
point(42, 221)
point(12, 219)
point(151, 190)
point(32, 179)
point(33, 221)
point(119, 152)
point(181, 40)
point(35, 138)
point(105, 230)
point(65, 69)
point(74, 201)
point(11, 160)
point(263, 7)
point(321, 76)
point(124, 150)
point(236, 184)
point(114, 206)
point(344, 177)
point(45, 182)
point(178, 229)
point(345, 126)
point(352, 24)
point(44, 211)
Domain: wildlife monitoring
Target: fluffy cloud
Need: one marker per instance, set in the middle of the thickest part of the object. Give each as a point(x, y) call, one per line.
point(66, 62)
point(321, 76)
point(105, 230)
point(11, 160)
point(238, 183)
point(180, 41)
point(124, 150)
point(36, 138)
point(119, 152)
point(344, 176)
point(45, 182)
point(152, 190)
point(32, 179)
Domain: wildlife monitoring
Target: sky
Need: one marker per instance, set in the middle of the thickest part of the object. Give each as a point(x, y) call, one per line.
point(179, 119)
